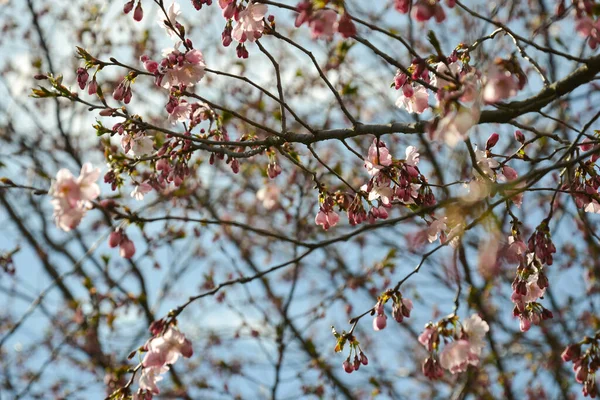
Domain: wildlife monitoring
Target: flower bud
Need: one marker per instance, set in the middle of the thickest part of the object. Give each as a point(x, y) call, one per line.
point(348, 367)
point(519, 137)
point(114, 239)
point(492, 140)
point(138, 14)
point(128, 7)
point(571, 352)
point(127, 248)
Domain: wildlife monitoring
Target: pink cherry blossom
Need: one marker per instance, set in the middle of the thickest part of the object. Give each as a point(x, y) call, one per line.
point(188, 71)
point(72, 197)
point(458, 355)
point(383, 193)
point(138, 145)
point(327, 219)
point(453, 127)
point(500, 84)
point(412, 156)
point(416, 103)
point(345, 26)
point(250, 25)
point(166, 349)
point(436, 228)
point(428, 337)
point(485, 164)
point(172, 13)
point(140, 190)
point(377, 158)
point(150, 376)
point(445, 75)
point(181, 112)
point(322, 24)
point(269, 195)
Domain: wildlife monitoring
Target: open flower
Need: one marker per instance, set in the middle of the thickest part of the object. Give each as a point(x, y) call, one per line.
point(377, 158)
point(167, 349)
point(150, 376)
point(172, 12)
point(414, 101)
point(250, 24)
point(453, 127)
point(458, 355)
point(72, 197)
point(323, 24)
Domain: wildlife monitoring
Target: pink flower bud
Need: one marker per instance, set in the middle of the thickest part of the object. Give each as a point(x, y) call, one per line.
point(348, 367)
point(114, 239)
point(127, 248)
point(379, 322)
point(519, 137)
point(571, 352)
point(235, 166)
point(582, 374)
point(93, 87)
point(492, 140)
point(128, 7)
point(363, 359)
point(138, 14)
point(345, 26)
point(82, 77)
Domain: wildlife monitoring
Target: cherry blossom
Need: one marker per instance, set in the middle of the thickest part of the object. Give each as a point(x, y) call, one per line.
point(138, 145)
point(436, 228)
point(172, 13)
point(327, 219)
point(180, 113)
point(150, 377)
point(250, 24)
point(485, 164)
point(323, 24)
point(140, 190)
point(414, 101)
point(378, 157)
point(269, 195)
point(182, 69)
point(458, 355)
point(72, 197)
point(412, 156)
point(500, 84)
point(167, 348)
point(453, 127)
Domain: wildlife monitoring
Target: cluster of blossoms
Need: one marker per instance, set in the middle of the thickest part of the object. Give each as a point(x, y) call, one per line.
point(401, 308)
point(249, 23)
point(138, 13)
point(586, 182)
point(350, 364)
point(585, 363)
point(72, 197)
point(126, 246)
point(530, 282)
point(163, 350)
point(463, 350)
point(324, 22)
point(392, 182)
point(424, 10)
point(460, 91)
point(177, 69)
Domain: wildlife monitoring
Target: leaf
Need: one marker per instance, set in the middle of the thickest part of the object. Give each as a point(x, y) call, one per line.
point(435, 43)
